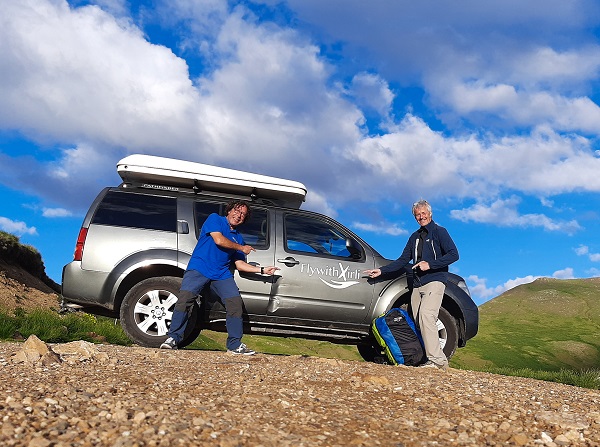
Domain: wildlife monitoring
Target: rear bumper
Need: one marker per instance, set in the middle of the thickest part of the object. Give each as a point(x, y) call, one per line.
point(84, 287)
point(471, 322)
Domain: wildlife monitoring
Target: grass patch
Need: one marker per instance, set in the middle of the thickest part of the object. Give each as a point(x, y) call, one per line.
point(588, 378)
point(52, 327)
point(216, 341)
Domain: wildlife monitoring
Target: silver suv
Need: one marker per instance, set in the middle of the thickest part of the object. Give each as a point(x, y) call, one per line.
point(137, 238)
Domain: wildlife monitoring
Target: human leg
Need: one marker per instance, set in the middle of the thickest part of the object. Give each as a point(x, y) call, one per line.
point(430, 300)
point(234, 322)
point(191, 285)
point(229, 293)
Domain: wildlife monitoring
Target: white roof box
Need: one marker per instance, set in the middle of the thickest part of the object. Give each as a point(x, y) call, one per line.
point(186, 174)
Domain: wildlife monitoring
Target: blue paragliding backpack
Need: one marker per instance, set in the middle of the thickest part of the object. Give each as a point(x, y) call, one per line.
point(397, 334)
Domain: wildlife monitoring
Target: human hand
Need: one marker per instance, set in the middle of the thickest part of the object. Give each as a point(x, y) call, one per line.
point(270, 270)
point(246, 249)
point(421, 265)
point(373, 273)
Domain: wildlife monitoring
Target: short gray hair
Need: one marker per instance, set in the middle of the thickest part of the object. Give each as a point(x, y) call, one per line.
point(422, 204)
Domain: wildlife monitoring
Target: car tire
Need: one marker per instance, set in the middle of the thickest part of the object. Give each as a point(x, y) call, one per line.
point(448, 332)
point(147, 309)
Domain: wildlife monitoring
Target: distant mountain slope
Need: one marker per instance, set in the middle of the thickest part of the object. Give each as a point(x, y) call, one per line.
point(548, 324)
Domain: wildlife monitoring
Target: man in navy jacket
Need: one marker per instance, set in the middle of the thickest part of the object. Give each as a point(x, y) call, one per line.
point(431, 250)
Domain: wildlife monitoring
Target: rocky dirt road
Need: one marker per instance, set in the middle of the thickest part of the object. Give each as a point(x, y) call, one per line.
point(131, 396)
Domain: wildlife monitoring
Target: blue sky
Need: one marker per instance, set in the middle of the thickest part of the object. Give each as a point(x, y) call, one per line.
point(489, 110)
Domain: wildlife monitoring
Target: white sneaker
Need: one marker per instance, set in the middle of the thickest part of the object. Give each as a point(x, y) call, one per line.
point(241, 350)
point(430, 364)
point(169, 343)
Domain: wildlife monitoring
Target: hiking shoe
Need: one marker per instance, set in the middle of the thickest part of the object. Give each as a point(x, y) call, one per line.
point(241, 350)
point(430, 364)
point(169, 343)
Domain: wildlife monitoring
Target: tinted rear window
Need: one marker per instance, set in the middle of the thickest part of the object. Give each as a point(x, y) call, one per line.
point(124, 209)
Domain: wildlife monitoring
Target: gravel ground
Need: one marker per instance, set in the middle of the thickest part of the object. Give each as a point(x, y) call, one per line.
point(132, 396)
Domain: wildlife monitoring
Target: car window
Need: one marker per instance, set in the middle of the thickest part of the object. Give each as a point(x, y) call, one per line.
point(254, 231)
point(202, 210)
point(311, 235)
point(125, 209)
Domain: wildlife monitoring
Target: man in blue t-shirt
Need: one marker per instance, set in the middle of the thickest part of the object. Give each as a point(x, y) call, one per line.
point(220, 247)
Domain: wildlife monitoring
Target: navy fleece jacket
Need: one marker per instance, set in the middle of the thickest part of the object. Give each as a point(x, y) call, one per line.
point(438, 250)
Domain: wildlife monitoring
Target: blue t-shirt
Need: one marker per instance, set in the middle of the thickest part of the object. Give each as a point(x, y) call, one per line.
point(208, 258)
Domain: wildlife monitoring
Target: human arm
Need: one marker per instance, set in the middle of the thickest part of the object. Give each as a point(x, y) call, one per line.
point(243, 266)
point(448, 253)
point(394, 266)
point(223, 242)
point(402, 261)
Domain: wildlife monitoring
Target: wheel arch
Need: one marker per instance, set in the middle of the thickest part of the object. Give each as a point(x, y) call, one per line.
point(390, 295)
point(138, 267)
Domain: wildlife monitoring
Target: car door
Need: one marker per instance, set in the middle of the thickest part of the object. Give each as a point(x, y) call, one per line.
point(321, 266)
point(254, 287)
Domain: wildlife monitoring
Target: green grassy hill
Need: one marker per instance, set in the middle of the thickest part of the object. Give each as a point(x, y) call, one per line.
point(549, 324)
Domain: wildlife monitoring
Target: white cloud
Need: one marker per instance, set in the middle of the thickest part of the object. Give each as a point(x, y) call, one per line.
point(380, 228)
point(56, 212)
point(593, 272)
point(82, 75)
point(542, 163)
point(16, 227)
point(115, 7)
point(372, 92)
point(412, 147)
point(583, 250)
point(545, 66)
point(524, 108)
point(199, 21)
point(504, 213)
point(269, 102)
point(317, 202)
point(566, 273)
point(473, 60)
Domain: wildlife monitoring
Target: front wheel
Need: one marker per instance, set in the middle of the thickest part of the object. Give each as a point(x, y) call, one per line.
point(448, 332)
point(147, 310)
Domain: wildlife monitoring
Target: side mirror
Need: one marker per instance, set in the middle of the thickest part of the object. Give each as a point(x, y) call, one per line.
point(354, 249)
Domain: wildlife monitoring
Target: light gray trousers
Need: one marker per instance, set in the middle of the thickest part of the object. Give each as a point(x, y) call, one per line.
point(426, 301)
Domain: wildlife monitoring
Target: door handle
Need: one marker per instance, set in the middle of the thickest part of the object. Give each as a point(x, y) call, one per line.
point(289, 261)
point(183, 227)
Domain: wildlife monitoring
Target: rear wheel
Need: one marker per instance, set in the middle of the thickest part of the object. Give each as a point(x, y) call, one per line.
point(147, 310)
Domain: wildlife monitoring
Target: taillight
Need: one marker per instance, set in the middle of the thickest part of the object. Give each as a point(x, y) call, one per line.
point(79, 245)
